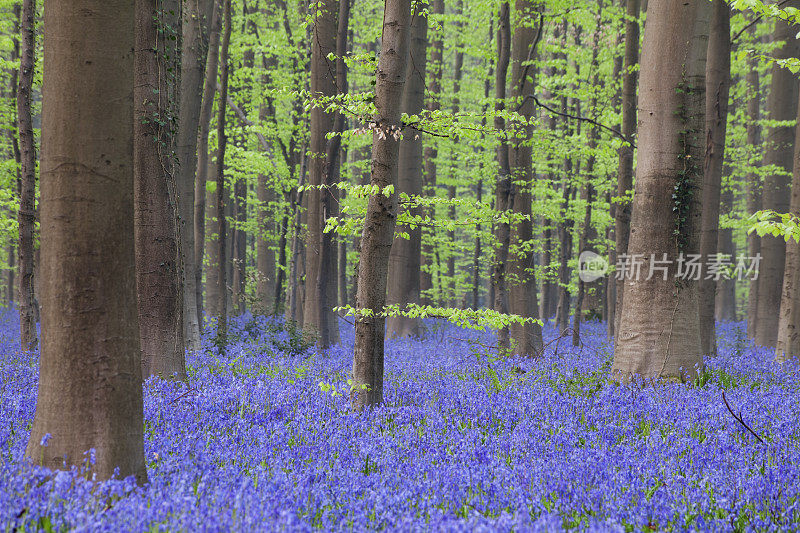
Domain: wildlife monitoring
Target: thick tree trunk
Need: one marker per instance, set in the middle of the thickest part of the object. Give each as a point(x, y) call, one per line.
point(204, 211)
point(788, 339)
point(158, 276)
point(196, 15)
point(725, 308)
point(90, 387)
point(622, 211)
point(781, 106)
point(404, 260)
point(718, 81)
point(503, 187)
point(753, 185)
point(27, 198)
point(381, 217)
point(220, 197)
point(321, 277)
point(659, 336)
point(434, 84)
point(526, 338)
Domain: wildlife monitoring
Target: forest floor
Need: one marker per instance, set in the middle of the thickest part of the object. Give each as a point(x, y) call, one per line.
point(263, 438)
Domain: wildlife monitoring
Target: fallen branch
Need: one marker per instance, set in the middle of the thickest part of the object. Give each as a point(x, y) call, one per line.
point(740, 419)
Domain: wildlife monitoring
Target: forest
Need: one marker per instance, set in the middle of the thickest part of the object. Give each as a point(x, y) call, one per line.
point(404, 265)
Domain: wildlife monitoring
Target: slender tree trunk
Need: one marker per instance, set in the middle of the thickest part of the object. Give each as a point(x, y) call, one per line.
point(503, 188)
point(222, 139)
point(659, 336)
point(753, 184)
point(206, 165)
point(622, 211)
point(265, 256)
point(788, 339)
point(90, 388)
point(196, 15)
point(11, 287)
point(321, 278)
point(587, 232)
point(527, 338)
point(726, 288)
point(158, 276)
point(27, 199)
point(404, 260)
point(13, 130)
point(718, 81)
point(583, 243)
point(381, 217)
point(434, 84)
point(781, 106)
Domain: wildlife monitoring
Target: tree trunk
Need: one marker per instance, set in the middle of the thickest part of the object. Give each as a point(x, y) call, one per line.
point(196, 14)
point(622, 211)
point(265, 256)
point(725, 307)
point(158, 276)
point(526, 338)
point(503, 188)
point(753, 184)
point(718, 81)
point(781, 105)
point(381, 217)
point(404, 260)
point(90, 387)
point(321, 277)
point(659, 335)
point(222, 139)
point(204, 205)
point(431, 153)
point(788, 339)
point(27, 198)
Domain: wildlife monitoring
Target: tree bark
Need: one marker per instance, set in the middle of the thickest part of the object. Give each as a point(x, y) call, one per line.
point(431, 153)
point(321, 277)
point(781, 105)
point(265, 256)
point(622, 211)
point(381, 217)
point(527, 338)
point(788, 339)
point(404, 260)
point(753, 184)
point(27, 189)
point(196, 15)
point(158, 275)
point(503, 188)
point(659, 335)
point(222, 139)
point(718, 81)
point(206, 165)
point(725, 307)
point(90, 386)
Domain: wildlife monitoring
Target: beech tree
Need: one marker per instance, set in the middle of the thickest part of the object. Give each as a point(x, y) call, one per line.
point(404, 260)
point(90, 387)
point(718, 71)
point(381, 217)
point(659, 335)
point(780, 139)
point(27, 186)
point(158, 273)
point(321, 277)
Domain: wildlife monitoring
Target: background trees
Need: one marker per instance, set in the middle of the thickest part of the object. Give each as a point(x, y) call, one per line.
point(287, 161)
